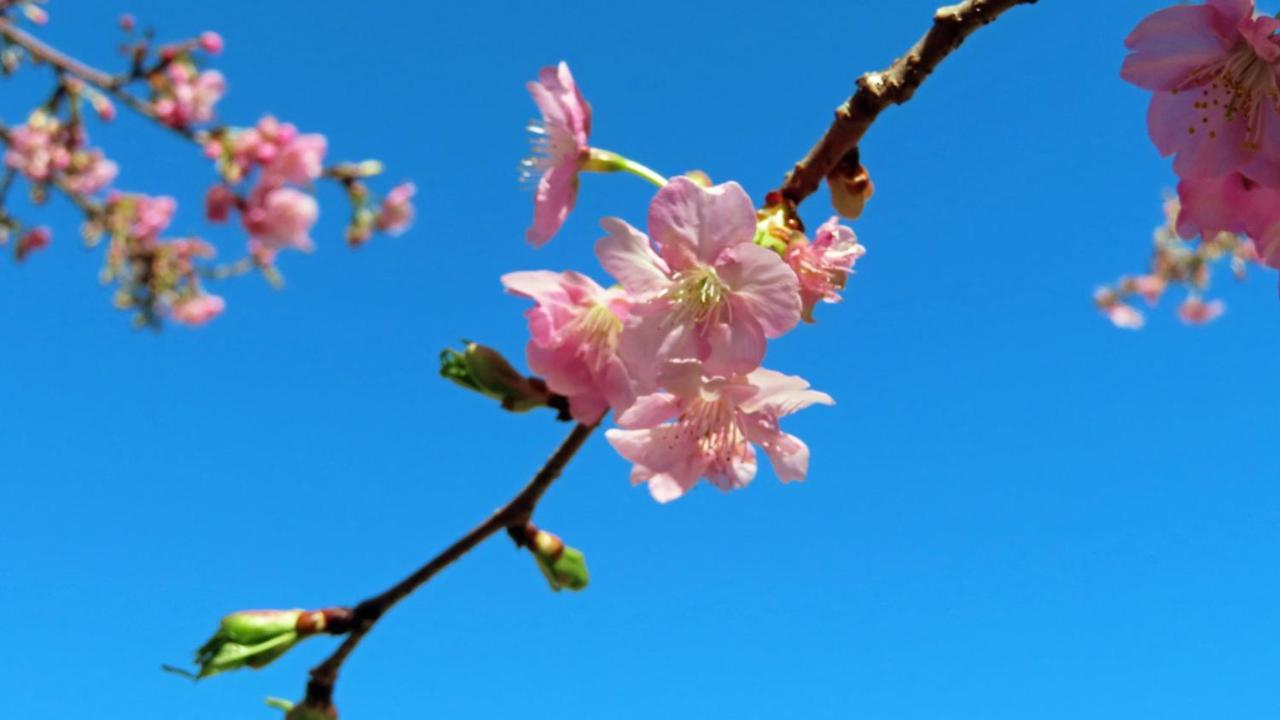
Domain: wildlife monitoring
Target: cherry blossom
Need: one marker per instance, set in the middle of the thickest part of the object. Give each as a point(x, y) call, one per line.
point(1213, 70)
point(823, 266)
point(33, 240)
point(197, 310)
point(705, 428)
point(575, 328)
point(709, 293)
point(560, 146)
point(279, 218)
point(396, 212)
point(185, 96)
point(1232, 203)
point(1195, 311)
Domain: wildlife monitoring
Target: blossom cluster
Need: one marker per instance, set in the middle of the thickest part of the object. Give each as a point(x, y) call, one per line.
point(1214, 71)
point(267, 173)
point(674, 348)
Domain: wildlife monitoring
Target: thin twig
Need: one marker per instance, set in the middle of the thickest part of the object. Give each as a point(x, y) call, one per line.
point(892, 86)
point(111, 84)
point(515, 513)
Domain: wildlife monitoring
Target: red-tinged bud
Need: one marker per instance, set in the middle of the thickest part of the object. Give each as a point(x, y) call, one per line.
point(127, 22)
point(33, 240)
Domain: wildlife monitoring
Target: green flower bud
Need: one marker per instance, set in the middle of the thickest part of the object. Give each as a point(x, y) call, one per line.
point(564, 567)
point(254, 638)
point(486, 371)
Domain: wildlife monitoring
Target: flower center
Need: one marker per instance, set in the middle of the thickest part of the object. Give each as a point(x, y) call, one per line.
point(699, 295)
point(550, 145)
point(1233, 90)
point(720, 436)
point(599, 326)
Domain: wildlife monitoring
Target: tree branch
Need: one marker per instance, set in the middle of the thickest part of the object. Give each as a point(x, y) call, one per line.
point(515, 513)
point(110, 84)
point(893, 86)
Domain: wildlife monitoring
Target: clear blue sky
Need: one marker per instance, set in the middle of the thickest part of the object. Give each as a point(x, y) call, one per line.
point(1014, 510)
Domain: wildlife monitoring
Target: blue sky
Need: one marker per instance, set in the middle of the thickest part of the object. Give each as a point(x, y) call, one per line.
point(1013, 511)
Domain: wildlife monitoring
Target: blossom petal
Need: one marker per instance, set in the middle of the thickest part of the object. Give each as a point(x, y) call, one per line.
point(628, 256)
point(736, 348)
point(691, 223)
point(649, 411)
point(780, 394)
point(1171, 44)
point(556, 194)
point(763, 286)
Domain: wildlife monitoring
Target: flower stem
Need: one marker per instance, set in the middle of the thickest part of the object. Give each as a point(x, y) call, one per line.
point(604, 161)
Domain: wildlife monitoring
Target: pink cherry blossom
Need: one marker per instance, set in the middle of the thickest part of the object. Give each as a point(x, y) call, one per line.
point(1150, 287)
point(560, 146)
point(1232, 203)
point(151, 215)
point(1216, 102)
point(396, 212)
point(90, 171)
point(189, 96)
point(298, 160)
point(823, 266)
point(218, 203)
point(210, 42)
point(705, 428)
point(1195, 311)
point(35, 149)
point(1121, 314)
point(197, 310)
point(575, 328)
point(279, 218)
point(709, 293)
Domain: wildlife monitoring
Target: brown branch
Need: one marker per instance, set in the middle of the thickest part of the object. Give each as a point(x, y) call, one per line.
point(893, 86)
point(111, 84)
point(515, 513)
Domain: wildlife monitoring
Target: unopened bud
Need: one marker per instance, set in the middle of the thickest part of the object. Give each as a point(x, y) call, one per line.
point(564, 567)
point(699, 178)
point(486, 371)
point(851, 187)
point(254, 638)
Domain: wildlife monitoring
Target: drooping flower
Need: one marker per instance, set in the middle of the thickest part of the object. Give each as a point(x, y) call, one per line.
point(823, 266)
point(574, 331)
point(197, 310)
point(279, 218)
point(1217, 103)
point(1232, 203)
point(709, 293)
point(705, 428)
point(396, 212)
point(1195, 311)
point(560, 146)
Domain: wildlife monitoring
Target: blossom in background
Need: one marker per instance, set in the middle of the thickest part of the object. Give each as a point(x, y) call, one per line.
point(90, 171)
point(709, 293)
point(184, 96)
point(1232, 203)
point(396, 212)
point(823, 266)
point(197, 310)
point(574, 330)
point(37, 149)
point(294, 158)
point(1213, 70)
point(32, 240)
point(1195, 311)
point(560, 146)
point(279, 218)
point(218, 203)
point(705, 428)
point(210, 42)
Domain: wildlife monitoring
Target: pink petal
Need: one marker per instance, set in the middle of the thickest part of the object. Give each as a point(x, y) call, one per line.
point(1169, 45)
point(691, 223)
point(651, 338)
point(736, 348)
point(1207, 144)
point(557, 191)
point(629, 257)
point(789, 456)
point(649, 411)
point(779, 394)
point(763, 286)
point(739, 473)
